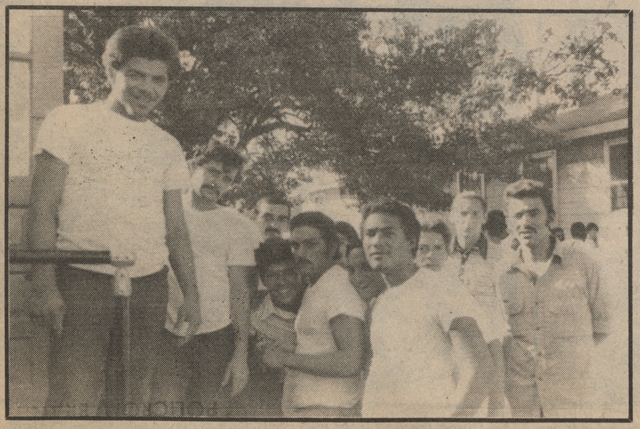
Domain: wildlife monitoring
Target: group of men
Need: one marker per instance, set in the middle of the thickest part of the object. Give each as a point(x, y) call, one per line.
point(402, 321)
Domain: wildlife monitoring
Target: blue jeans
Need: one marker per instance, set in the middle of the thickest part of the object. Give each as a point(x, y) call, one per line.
point(85, 360)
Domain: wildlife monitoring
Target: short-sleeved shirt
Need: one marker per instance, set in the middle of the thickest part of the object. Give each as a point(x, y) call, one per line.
point(113, 192)
point(413, 370)
point(332, 295)
point(220, 238)
point(552, 319)
point(276, 325)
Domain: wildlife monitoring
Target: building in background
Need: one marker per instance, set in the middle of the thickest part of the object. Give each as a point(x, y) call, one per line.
point(35, 73)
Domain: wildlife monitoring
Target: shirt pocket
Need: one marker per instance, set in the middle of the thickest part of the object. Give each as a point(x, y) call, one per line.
point(568, 307)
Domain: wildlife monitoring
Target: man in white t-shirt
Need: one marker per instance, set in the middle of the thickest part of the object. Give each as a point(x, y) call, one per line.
point(323, 375)
point(192, 371)
point(413, 325)
point(107, 178)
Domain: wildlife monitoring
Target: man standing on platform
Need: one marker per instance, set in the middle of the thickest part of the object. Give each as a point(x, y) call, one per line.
point(107, 178)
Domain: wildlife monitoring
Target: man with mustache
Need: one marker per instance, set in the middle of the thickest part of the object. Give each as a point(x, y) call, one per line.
point(272, 214)
point(107, 178)
point(192, 370)
point(323, 375)
point(557, 307)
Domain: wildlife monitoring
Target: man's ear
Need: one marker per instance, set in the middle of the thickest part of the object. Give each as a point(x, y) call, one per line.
point(110, 71)
point(551, 216)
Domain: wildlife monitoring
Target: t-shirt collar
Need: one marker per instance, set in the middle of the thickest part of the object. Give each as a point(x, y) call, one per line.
point(270, 308)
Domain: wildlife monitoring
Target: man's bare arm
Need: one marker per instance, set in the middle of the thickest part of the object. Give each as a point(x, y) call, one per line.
point(47, 187)
point(242, 280)
point(347, 361)
point(181, 257)
point(483, 367)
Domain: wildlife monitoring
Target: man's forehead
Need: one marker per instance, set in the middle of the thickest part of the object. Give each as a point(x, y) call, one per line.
point(524, 204)
point(466, 205)
point(382, 221)
point(431, 237)
point(305, 232)
point(147, 66)
point(264, 207)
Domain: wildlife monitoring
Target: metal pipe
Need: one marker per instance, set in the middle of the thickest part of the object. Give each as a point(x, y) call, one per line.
point(28, 256)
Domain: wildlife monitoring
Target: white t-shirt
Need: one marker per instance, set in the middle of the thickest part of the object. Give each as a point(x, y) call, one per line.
point(113, 193)
point(413, 369)
point(220, 238)
point(330, 296)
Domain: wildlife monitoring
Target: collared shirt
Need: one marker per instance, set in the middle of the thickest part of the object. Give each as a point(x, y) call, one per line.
point(274, 324)
point(480, 247)
point(477, 272)
point(552, 320)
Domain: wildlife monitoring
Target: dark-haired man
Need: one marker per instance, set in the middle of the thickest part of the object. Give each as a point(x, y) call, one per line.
point(192, 371)
point(413, 325)
point(323, 375)
point(272, 323)
point(272, 214)
point(557, 311)
point(107, 178)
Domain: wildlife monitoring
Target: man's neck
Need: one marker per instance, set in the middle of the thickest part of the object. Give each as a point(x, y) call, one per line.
point(400, 274)
point(202, 204)
point(466, 245)
point(116, 106)
point(538, 253)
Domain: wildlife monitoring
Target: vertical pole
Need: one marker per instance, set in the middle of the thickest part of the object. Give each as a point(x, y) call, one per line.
point(122, 292)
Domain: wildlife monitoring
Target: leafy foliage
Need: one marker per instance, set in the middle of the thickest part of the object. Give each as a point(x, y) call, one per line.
point(393, 114)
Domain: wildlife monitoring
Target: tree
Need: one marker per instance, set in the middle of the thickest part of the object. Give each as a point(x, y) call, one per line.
point(393, 114)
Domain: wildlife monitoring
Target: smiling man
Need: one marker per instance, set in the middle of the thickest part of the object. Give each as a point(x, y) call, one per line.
point(413, 372)
point(107, 178)
point(557, 310)
point(323, 375)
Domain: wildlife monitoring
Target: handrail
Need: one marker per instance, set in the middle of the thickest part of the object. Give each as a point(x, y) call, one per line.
point(27, 256)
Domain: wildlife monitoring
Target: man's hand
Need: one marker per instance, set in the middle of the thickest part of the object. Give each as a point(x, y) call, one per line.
point(237, 373)
point(274, 357)
point(191, 314)
point(49, 305)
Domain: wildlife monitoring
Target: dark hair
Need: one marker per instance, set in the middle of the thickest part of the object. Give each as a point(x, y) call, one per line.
point(579, 231)
point(496, 223)
point(346, 229)
point(592, 226)
point(143, 42)
point(273, 200)
point(439, 228)
point(225, 155)
point(319, 221)
point(527, 188)
point(274, 250)
point(351, 246)
point(406, 216)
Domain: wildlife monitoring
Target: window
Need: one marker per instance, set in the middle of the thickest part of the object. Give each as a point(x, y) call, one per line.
point(19, 92)
point(617, 160)
point(473, 182)
point(542, 166)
